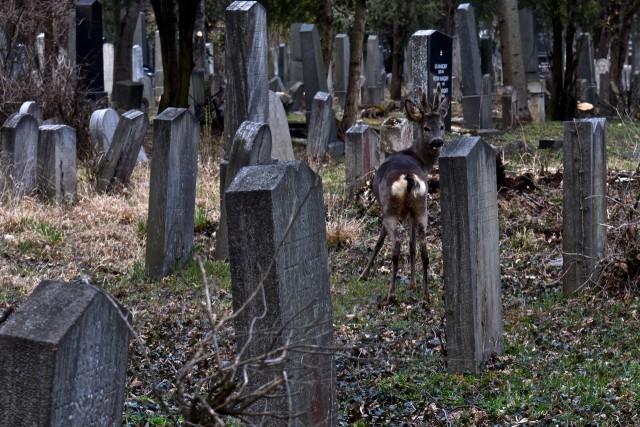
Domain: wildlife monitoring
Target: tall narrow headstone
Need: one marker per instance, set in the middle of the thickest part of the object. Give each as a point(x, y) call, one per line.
point(102, 127)
point(374, 90)
point(57, 165)
point(137, 68)
point(341, 68)
point(431, 64)
point(283, 63)
point(470, 253)
point(251, 146)
point(172, 191)
point(64, 366)
point(584, 207)
point(140, 39)
point(158, 78)
point(319, 129)
point(296, 74)
point(19, 154)
point(469, 52)
point(585, 69)
point(529, 42)
point(116, 166)
point(107, 55)
point(281, 149)
point(278, 250)
point(247, 91)
point(315, 76)
point(361, 157)
point(89, 45)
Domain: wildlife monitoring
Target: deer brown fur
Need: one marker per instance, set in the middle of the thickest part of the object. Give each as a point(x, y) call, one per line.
point(400, 186)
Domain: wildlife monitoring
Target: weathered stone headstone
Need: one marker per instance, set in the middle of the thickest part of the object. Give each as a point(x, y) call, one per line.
point(102, 127)
point(585, 68)
point(19, 154)
point(64, 366)
point(374, 90)
point(602, 79)
point(280, 136)
point(341, 68)
point(137, 65)
point(33, 108)
point(140, 39)
point(278, 250)
point(486, 56)
point(431, 64)
point(158, 78)
point(127, 95)
point(470, 253)
point(107, 55)
point(116, 166)
point(509, 107)
point(469, 52)
point(246, 92)
point(283, 63)
point(276, 85)
point(196, 94)
point(148, 99)
point(172, 191)
point(89, 46)
point(529, 42)
point(57, 165)
point(361, 157)
point(584, 210)
point(537, 90)
point(395, 135)
point(297, 97)
point(319, 128)
point(296, 74)
point(251, 146)
point(315, 76)
point(19, 63)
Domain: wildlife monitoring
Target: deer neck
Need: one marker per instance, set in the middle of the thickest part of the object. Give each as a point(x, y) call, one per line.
point(427, 156)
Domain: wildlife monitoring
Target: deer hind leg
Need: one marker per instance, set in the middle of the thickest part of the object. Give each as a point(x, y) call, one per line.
point(391, 225)
point(412, 255)
point(422, 238)
point(376, 249)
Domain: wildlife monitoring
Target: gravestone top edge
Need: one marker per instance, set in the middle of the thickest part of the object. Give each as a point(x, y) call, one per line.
point(14, 119)
point(55, 127)
point(322, 96)
point(358, 128)
point(171, 113)
point(465, 6)
point(261, 177)
point(41, 319)
point(307, 28)
point(341, 36)
point(132, 114)
point(462, 146)
point(241, 6)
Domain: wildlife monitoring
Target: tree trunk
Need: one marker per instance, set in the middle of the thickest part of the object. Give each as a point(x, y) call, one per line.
point(326, 32)
point(125, 13)
point(621, 32)
point(564, 63)
point(512, 61)
point(397, 57)
point(450, 18)
point(353, 86)
point(176, 21)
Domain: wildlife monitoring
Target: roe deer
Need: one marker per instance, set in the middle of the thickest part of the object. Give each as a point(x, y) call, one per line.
point(400, 186)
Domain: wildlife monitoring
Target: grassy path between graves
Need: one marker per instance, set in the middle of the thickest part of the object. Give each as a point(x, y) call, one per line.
point(567, 362)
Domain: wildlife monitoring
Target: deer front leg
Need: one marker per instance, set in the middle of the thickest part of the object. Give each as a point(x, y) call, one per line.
point(376, 249)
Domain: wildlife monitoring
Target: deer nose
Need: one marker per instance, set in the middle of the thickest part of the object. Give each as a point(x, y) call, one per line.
point(436, 143)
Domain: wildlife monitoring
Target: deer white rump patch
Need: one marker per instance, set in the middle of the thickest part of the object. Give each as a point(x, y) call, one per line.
point(399, 187)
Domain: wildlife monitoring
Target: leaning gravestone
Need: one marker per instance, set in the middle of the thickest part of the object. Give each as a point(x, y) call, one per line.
point(361, 157)
point(63, 358)
point(102, 127)
point(320, 124)
point(57, 166)
point(172, 191)
point(280, 136)
point(470, 253)
point(19, 154)
point(247, 91)
point(251, 146)
point(116, 167)
point(280, 271)
point(584, 207)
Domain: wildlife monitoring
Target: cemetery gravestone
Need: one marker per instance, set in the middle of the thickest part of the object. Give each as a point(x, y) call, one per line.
point(247, 92)
point(116, 167)
point(320, 125)
point(509, 107)
point(361, 157)
point(172, 191)
point(529, 42)
point(251, 146)
point(278, 250)
point(431, 64)
point(315, 79)
point(281, 149)
point(585, 68)
point(296, 74)
point(137, 65)
point(584, 191)
point(140, 39)
point(107, 55)
point(32, 107)
point(374, 91)
point(63, 358)
point(395, 135)
point(102, 127)
point(89, 46)
point(19, 154)
point(470, 253)
point(341, 69)
point(158, 78)
point(469, 52)
point(127, 95)
point(57, 163)
point(283, 63)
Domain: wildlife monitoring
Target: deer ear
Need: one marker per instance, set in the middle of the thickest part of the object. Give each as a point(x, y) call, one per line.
point(424, 102)
point(443, 108)
point(413, 112)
